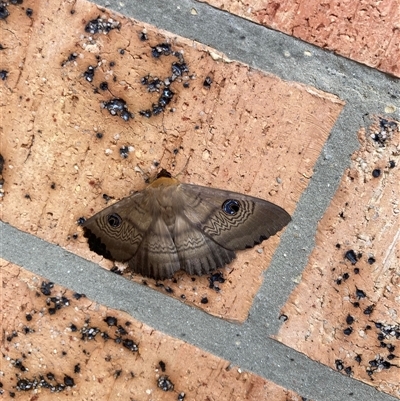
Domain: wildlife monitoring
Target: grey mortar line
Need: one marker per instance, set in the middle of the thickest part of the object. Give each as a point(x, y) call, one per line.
point(365, 91)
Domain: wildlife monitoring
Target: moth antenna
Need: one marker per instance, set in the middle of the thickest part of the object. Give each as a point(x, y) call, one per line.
point(165, 173)
point(184, 168)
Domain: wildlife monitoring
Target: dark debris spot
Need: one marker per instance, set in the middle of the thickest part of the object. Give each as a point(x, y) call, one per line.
point(162, 366)
point(1, 163)
point(107, 198)
point(69, 381)
point(351, 256)
point(283, 317)
point(118, 107)
point(46, 287)
point(164, 383)
point(111, 321)
point(379, 363)
point(348, 331)
point(168, 289)
point(89, 73)
point(121, 330)
point(153, 84)
point(115, 270)
point(376, 173)
point(339, 364)
point(386, 130)
point(19, 365)
point(24, 385)
point(204, 300)
point(3, 74)
point(124, 152)
point(103, 86)
point(157, 109)
point(162, 49)
point(368, 310)
point(130, 345)
point(4, 13)
point(80, 221)
point(216, 278)
point(207, 82)
point(145, 113)
point(349, 319)
point(89, 333)
point(28, 330)
point(99, 25)
point(71, 57)
point(348, 370)
point(178, 69)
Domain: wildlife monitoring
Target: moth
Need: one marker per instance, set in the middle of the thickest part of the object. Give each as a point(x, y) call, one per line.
point(171, 226)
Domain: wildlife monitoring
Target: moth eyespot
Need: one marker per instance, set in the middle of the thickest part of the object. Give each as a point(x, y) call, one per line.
point(231, 206)
point(114, 220)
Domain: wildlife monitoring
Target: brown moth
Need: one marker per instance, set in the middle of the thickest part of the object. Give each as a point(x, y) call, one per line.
point(171, 226)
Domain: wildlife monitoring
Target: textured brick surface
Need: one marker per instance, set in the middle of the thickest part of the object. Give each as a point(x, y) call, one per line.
point(247, 132)
point(345, 311)
point(82, 350)
point(365, 31)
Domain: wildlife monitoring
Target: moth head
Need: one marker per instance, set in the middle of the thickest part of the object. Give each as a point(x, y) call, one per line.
point(163, 179)
point(164, 173)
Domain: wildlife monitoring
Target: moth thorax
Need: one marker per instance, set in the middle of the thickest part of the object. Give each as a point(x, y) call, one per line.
point(164, 182)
